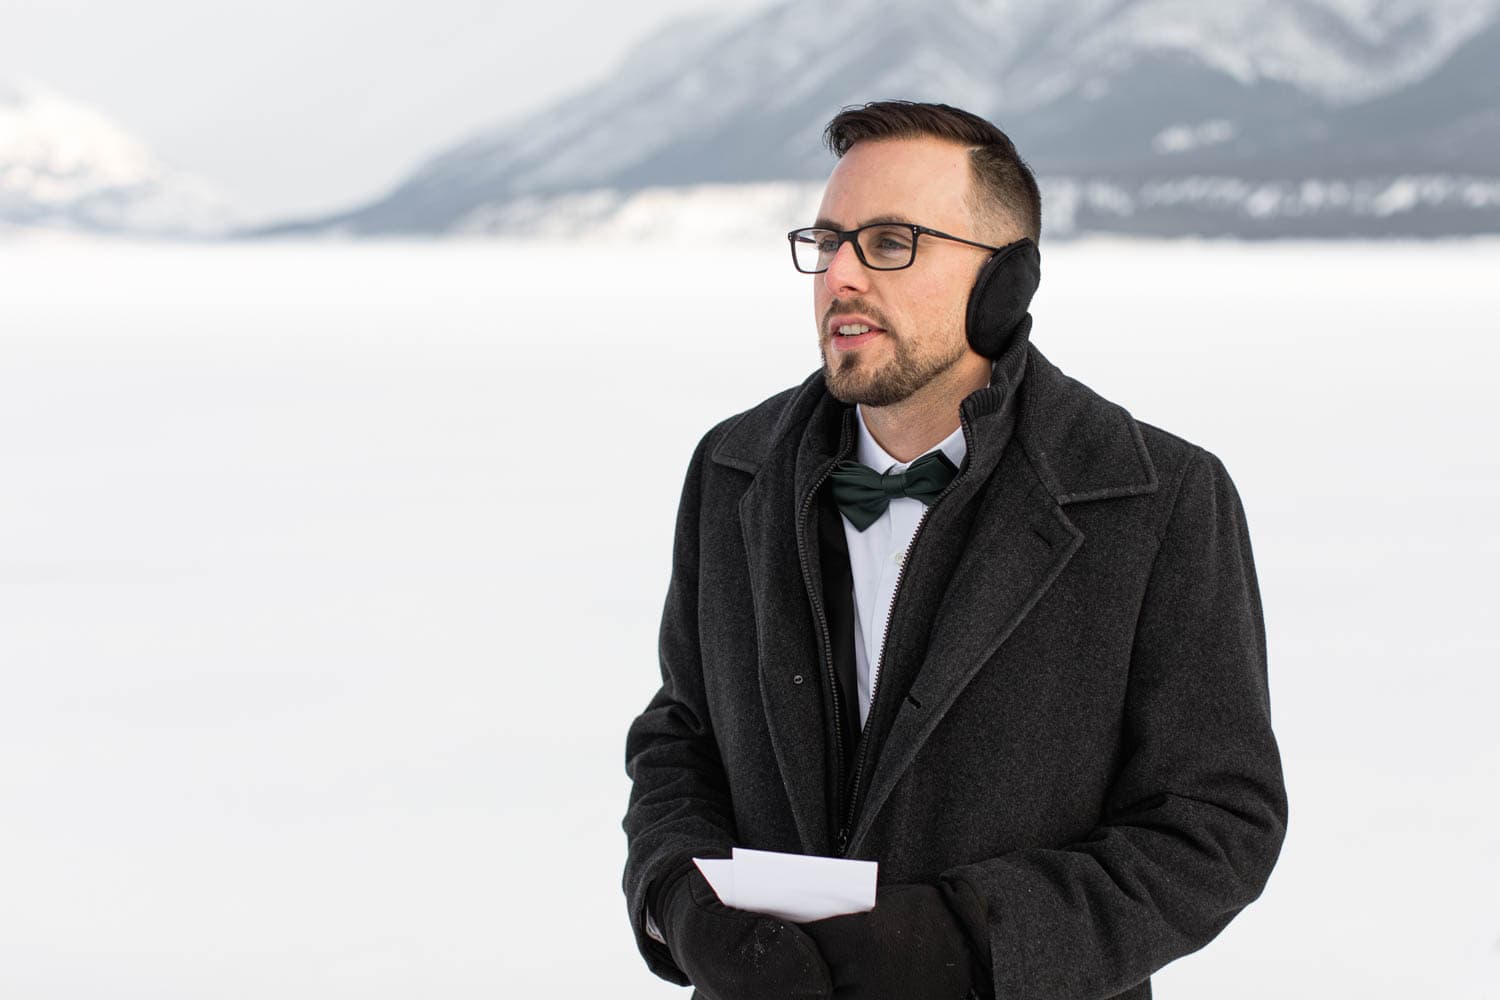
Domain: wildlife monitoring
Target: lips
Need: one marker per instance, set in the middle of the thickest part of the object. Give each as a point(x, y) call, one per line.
point(851, 320)
point(847, 342)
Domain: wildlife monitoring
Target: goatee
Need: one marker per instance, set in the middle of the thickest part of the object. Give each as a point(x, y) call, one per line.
point(852, 378)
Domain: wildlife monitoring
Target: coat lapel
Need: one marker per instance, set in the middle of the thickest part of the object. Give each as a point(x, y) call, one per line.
point(784, 583)
point(1067, 447)
point(1019, 527)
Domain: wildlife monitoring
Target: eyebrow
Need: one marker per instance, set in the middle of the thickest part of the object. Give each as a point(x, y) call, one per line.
point(824, 223)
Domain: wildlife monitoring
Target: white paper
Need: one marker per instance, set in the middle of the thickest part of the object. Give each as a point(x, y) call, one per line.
point(720, 875)
point(795, 887)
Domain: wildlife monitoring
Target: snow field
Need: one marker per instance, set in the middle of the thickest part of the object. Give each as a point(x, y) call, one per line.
point(330, 575)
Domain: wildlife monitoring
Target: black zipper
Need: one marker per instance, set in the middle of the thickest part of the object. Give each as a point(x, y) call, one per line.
point(879, 665)
point(815, 591)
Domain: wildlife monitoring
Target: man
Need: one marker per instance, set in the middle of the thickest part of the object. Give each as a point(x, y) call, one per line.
point(944, 607)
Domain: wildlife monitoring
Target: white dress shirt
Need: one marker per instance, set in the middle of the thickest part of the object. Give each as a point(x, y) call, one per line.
point(877, 554)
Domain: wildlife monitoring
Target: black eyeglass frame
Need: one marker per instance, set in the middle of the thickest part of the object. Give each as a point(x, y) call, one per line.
point(852, 236)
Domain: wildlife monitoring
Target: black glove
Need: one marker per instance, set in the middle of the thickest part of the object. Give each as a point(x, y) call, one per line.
point(913, 945)
point(732, 954)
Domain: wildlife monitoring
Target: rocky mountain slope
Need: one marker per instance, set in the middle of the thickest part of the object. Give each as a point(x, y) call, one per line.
point(1264, 118)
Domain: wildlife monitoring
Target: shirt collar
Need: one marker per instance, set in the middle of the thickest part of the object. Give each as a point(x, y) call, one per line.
point(877, 458)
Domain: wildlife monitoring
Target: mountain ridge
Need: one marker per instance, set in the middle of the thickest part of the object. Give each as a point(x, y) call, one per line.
point(1133, 96)
point(66, 165)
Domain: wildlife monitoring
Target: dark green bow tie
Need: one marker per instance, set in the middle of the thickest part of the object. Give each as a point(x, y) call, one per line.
point(863, 494)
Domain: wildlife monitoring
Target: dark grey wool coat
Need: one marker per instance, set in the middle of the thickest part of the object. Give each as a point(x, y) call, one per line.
point(1072, 713)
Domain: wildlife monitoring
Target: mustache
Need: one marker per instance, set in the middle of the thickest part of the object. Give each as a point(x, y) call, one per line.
point(854, 306)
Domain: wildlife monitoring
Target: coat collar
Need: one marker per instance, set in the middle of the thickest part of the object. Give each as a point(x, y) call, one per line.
point(1007, 503)
point(1082, 446)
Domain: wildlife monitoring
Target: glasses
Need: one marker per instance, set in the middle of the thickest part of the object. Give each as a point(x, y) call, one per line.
point(880, 246)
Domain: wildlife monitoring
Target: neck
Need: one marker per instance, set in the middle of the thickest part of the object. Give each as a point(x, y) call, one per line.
point(918, 423)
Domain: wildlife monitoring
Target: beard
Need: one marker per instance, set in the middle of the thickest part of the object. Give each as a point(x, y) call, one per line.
point(853, 378)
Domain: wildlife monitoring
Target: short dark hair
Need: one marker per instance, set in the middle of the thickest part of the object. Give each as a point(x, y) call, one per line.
point(1003, 186)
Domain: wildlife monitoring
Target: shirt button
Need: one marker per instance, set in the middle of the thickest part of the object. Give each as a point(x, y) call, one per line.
point(796, 678)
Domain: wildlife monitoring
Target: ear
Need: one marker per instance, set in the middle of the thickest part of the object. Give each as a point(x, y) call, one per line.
point(1001, 296)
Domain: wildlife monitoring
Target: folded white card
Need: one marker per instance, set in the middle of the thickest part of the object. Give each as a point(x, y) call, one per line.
point(720, 875)
point(795, 887)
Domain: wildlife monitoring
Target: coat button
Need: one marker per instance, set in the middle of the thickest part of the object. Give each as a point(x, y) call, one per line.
point(796, 678)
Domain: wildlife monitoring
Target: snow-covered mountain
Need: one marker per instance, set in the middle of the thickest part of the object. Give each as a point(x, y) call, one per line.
point(66, 165)
point(1248, 117)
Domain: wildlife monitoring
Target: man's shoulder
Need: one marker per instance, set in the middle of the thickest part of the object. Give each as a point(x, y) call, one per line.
point(1088, 439)
point(744, 439)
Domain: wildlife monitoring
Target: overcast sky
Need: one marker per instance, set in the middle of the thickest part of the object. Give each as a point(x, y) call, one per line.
point(302, 107)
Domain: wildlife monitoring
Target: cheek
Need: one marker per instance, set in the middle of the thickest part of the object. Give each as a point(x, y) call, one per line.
point(952, 305)
point(822, 305)
point(932, 326)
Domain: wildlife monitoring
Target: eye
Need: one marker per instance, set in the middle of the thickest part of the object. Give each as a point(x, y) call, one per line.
point(889, 244)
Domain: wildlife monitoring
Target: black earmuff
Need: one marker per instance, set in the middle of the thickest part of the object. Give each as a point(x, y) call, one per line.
point(1002, 295)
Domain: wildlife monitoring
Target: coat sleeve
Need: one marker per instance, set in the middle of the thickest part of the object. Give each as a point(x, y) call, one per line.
point(679, 798)
point(1196, 815)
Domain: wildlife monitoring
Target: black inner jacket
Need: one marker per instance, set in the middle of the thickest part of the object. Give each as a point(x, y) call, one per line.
point(838, 599)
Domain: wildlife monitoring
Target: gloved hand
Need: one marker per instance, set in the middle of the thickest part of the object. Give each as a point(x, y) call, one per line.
point(912, 946)
point(732, 954)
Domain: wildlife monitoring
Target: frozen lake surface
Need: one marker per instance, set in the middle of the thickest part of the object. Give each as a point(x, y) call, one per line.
point(318, 657)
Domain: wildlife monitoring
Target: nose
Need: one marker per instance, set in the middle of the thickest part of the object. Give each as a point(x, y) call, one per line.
point(845, 273)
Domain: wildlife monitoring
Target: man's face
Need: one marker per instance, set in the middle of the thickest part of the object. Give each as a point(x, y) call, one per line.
point(917, 314)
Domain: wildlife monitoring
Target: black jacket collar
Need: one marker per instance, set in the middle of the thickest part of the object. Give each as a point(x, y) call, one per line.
point(1083, 446)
